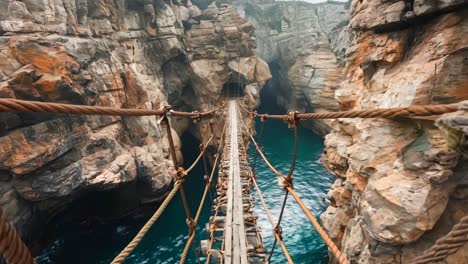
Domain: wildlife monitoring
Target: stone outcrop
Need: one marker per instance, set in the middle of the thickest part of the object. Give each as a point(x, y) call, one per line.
point(215, 66)
point(128, 54)
point(401, 184)
point(307, 42)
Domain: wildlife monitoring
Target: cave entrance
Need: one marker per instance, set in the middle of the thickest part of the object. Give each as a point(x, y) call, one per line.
point(233, 90)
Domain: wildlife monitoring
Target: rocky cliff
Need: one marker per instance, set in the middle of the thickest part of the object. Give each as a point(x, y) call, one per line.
point(307, 43)
point(128, 54)
point(400, 184)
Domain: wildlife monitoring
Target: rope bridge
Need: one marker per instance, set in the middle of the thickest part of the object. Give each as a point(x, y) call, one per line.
point(13, 250)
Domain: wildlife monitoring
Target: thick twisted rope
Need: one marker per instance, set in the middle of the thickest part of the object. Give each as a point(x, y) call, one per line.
point(14, 105)
point(326, 238)
point(446, 245)
point(323, 234)
point(409, 111)
point(202, 201)
point(203, 150)
point(137, 239)
point(278, 237)
point(12, 248)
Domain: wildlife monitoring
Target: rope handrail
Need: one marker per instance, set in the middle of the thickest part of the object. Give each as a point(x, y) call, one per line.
point(446, 245)
point(272, 222)
point(15, 105)
point(278, 238)
point(408, 111)
point(286, 181)
point(137, 239)
point(202, 201)
point(326, 238)
point(177, 187)
point(12, 248)
point(199, 155)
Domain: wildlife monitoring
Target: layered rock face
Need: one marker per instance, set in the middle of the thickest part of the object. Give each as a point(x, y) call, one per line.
point(127, 54)
point(307, 42)
point(401, 184)
point(217, 66)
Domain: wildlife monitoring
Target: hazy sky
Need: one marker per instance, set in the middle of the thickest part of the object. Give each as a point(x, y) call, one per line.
point(317, 1)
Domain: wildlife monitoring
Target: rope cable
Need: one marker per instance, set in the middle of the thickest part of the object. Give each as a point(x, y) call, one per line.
point(137, 239)
point(15, 105)
point(12, 248)
point(202, 201)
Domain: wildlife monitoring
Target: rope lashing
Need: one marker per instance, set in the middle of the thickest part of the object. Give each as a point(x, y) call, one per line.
point(277, 233)
point(137, 239)
point(174, 160)
point(12, 248)
point(446, 245)
point(408, 111)
point(277, 229)
point(270, 218)
point(202, 202)
point(287, 184)
point(15, 105)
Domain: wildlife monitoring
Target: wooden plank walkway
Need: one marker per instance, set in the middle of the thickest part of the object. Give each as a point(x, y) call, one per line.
point(234, 225)
point(235, 238)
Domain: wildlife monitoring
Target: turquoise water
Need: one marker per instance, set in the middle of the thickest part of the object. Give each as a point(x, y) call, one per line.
point(79, 241)
point(311, 182)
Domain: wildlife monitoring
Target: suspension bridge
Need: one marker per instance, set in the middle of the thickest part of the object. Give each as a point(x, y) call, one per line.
point(234, 234)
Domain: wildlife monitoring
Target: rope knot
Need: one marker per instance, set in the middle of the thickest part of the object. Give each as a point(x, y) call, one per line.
point(197, 117)
point(279, 231)
point(191, 224)
point(253, 114)
point(286, 182)
point(292, 119)
point(181, 173)
point(202, 147)
point(167, 109)
point(207, 179)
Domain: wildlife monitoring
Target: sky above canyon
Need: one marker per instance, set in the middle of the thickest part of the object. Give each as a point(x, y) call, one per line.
point(319, 1)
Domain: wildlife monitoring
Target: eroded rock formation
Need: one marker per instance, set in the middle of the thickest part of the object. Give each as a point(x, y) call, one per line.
point(128, 54)
point(400, 184)
point(307, 43)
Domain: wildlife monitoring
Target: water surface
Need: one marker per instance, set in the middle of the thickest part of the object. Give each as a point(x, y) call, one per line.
point(99, 242)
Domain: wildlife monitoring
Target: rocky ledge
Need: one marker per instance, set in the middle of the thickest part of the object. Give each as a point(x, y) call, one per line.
point(400, 184)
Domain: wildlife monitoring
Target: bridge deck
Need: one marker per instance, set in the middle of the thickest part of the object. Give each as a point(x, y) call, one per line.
point(235, 249)
point(233, 225)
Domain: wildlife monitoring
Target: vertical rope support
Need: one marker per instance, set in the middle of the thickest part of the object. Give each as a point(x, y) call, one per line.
point(202, 201)
point(293, 122)
point(277, 228)
point(12, 248)
point(176, 166)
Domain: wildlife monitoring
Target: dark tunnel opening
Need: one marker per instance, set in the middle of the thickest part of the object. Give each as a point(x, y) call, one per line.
point(233, 90)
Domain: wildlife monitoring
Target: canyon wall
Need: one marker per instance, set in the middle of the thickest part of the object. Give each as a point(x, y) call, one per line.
point(400, 184)
point(307, 44)
point(126, 54)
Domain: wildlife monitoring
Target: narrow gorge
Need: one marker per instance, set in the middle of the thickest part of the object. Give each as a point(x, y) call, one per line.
point(384, 189)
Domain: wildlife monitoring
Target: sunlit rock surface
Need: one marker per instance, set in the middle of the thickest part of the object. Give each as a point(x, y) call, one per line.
point(126, 54)
point(307, 42)
point(401, 184)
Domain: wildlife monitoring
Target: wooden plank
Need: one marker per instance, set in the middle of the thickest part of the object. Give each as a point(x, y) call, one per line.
point(235, 244)
point(240, 249)
point(228, 224)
